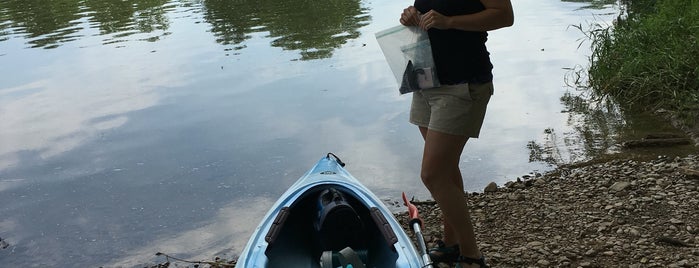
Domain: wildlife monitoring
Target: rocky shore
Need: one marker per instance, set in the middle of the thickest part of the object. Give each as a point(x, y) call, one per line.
point(621, 213)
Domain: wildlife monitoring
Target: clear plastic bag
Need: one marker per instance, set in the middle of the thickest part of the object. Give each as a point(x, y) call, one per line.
point(409, 55)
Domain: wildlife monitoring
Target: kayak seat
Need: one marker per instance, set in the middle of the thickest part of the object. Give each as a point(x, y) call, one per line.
point(338, 225)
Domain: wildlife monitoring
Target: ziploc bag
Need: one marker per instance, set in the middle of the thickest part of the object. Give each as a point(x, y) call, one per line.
point(409, 55)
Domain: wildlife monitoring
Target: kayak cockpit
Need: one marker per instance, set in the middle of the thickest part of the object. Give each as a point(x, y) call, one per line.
point(311, 226)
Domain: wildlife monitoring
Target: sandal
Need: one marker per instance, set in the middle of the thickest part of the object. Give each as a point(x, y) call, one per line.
point(467, 260)
point(444, 253)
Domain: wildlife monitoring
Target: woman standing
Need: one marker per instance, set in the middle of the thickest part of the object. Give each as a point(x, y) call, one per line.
point(449, 115)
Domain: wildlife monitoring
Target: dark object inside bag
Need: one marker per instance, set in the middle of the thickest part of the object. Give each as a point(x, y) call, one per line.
point(417, 78)
point(409, 83)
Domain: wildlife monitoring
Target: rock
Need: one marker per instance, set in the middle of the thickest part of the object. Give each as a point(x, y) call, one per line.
point(543, 263)
point(539, 181)
point(673, 242)
point(3, 244)
point(634, 232)
point(591, 253)
point(619, 186)
point(691, 173)
point(515, 196)
point(676, 221)
point(534, 244)
point(491, 188)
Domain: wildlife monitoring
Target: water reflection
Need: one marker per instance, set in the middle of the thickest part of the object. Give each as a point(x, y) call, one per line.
point(315, 28)
point(196, 243)
point(44, 23)
point(598, 127)
point(594, 129)
point(48, 24)
point(125, 18)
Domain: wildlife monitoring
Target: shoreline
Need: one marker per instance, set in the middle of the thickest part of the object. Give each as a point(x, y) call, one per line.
point(613, 213)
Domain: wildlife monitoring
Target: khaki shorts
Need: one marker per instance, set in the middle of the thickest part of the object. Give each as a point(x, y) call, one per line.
point(452, 109)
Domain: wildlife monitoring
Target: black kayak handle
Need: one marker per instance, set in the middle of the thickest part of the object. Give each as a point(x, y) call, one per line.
point(342, 164)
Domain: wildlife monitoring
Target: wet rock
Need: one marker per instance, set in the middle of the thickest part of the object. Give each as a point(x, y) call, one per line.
point(3, 244)
point(491, 188)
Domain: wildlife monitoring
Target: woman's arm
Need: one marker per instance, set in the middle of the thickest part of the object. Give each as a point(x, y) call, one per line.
point(497, 14)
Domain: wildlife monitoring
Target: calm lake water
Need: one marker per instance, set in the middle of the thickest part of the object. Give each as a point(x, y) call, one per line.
point(134, 127)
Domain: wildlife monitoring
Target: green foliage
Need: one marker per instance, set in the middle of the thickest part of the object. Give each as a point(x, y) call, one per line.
point(649, 59)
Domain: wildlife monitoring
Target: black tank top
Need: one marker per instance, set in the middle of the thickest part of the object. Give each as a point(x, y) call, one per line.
point(460, 56)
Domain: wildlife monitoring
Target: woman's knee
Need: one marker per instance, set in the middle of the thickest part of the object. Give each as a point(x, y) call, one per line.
point(436, 179)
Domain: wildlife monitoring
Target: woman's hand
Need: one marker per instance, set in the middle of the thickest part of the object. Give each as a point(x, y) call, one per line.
point(433, 19)
point(410, 16)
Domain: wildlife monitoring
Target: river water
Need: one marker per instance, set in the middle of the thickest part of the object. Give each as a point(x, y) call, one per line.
point(134, 127)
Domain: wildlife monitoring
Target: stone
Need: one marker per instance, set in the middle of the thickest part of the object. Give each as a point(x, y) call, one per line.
point(543, 263)
point(619, 186)
point(591, 253)
point(491, 188)
point(634, 232)
point(3, 244)
point(676, 221)
point(515, 196)
point(535, 244)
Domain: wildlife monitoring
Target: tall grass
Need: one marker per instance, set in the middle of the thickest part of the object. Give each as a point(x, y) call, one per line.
point(649, 59)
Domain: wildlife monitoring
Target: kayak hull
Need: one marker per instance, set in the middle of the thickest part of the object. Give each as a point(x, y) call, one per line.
point(288, 234)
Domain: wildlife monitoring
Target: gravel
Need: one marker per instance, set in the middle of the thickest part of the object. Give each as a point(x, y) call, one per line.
point(621, 213)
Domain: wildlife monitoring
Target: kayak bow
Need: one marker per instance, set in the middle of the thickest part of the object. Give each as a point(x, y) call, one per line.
point(329, 219)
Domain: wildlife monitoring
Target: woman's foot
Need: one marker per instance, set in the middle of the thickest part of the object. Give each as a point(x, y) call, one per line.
point(466, 262)
point(444, 253)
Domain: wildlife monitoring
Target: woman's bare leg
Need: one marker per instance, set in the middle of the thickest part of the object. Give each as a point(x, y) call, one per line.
point(449, 236)
point(441, 175)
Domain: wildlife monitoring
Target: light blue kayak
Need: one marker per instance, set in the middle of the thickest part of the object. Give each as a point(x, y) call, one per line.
point(329, 219)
